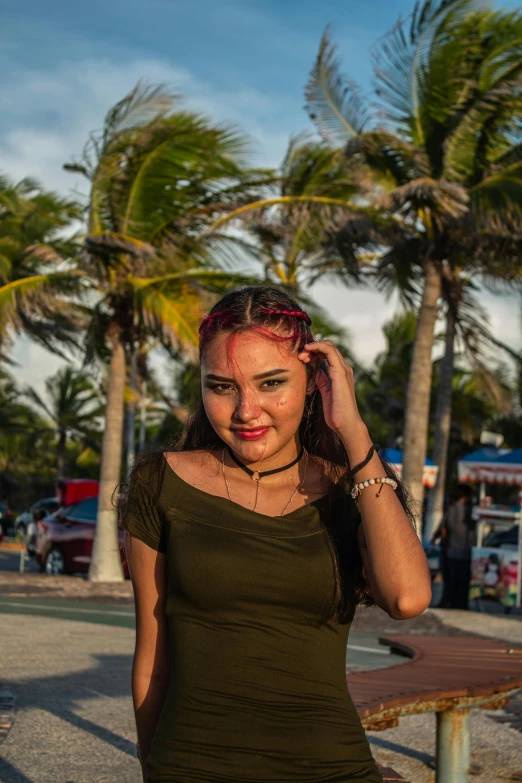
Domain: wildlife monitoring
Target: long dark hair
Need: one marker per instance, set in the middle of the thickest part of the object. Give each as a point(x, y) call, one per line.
point(272, 312)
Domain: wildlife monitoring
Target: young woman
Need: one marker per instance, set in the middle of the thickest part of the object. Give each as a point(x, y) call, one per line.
point(248, 556)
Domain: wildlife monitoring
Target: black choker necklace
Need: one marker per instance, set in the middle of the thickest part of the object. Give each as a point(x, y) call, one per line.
point(255, 474)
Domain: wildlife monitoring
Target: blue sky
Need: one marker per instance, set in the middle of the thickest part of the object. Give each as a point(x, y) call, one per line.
point(243, 61)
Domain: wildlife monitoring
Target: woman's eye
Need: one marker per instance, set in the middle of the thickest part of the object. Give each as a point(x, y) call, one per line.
point(220, 387)
point(272, 383)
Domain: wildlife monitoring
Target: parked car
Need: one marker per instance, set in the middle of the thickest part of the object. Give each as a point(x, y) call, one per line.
point(64, 539)
point(24, 520)
point(6, 520)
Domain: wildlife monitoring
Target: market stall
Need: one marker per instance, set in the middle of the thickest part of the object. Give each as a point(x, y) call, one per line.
point(496, 570)
point(480, 465)
point(394, 457)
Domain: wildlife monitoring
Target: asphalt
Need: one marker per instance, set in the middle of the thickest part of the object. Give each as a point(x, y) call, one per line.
point(65, 609)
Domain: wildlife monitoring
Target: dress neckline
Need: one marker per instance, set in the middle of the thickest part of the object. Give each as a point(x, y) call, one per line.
point(307, 507)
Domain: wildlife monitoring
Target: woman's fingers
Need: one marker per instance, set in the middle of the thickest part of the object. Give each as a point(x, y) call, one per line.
point(321, 380)
point(326, 347)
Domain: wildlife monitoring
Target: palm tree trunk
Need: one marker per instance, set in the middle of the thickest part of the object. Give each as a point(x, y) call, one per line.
point(435, 508)
point(419, 389)
point(60, 454)
point(106, 562)
point(131, 412)
point(143, 414)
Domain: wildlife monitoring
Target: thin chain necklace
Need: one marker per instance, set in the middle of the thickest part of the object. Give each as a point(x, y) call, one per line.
point(258, 478)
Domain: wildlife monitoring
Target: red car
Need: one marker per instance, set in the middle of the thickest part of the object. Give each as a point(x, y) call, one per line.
point(64, 539)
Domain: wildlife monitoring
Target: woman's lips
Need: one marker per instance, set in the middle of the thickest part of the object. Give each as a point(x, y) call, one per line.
point(251, 434)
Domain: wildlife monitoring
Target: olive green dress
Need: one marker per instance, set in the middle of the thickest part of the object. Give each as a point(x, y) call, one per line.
point(258, 684)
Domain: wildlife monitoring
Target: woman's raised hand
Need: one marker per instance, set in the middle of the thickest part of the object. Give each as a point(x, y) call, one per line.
point(338, 394)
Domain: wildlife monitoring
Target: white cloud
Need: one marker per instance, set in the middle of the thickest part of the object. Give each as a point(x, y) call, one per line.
point(505, 317)
point(35, 364)
point(51, 113)
point(363, 312)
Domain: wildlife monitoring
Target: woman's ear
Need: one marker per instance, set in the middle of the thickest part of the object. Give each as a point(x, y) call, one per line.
point(311, 368)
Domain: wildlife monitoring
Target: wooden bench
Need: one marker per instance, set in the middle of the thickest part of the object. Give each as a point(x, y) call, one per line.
point(447, 675)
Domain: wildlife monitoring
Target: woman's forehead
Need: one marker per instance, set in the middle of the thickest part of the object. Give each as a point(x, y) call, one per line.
point(248, 351)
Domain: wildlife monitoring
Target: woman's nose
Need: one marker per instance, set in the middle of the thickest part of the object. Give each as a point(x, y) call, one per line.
point(248, 406)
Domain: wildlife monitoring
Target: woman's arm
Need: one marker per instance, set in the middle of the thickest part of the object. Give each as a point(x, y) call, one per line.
point(395, 564)
point(394, 561)
point(151, 666)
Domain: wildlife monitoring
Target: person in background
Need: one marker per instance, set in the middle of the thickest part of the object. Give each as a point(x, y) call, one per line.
point(459, 538)
point(441, 535)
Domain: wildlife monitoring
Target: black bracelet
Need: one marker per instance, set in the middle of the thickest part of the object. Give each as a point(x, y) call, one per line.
point(357, 468)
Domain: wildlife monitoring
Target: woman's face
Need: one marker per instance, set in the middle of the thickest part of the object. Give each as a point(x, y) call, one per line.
point(255, 398)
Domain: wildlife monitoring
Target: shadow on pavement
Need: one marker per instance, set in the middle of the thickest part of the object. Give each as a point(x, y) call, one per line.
point(10, 774)
point(426, 758)
point(63, 695)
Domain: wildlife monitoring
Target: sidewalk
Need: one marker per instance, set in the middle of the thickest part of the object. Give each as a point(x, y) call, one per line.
point(74, 721)
point(507, 627)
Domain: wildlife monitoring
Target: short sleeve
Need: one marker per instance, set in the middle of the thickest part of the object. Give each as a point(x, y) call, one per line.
point(143, 518)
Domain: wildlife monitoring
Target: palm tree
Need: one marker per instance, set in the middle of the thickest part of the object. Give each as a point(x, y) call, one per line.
point(466, 323)
point(381, 391)
point(158, 178)
point(37, 275)
point(440, 162)
point(74, 408)
point(294, 238)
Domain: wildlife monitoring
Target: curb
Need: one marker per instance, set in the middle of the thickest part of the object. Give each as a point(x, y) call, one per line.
point(7, 706)
point(12, 545)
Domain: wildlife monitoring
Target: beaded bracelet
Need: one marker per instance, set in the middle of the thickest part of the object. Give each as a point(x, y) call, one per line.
point(358, 488)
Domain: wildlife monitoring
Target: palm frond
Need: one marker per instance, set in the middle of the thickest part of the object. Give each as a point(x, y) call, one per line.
point(499, 195)
point(279, 200)
point(176, 318)
point(444, 200)
point(17, 290)
point(141, 106)
point(332, 101)
point(482, 131)
point(398, 270)
point(401, 59)
point(35, 398)
point(389, 158)
point(110, 243)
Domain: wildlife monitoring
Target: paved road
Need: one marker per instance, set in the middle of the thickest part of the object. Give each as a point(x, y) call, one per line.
point(10, 561)
point(74, 721)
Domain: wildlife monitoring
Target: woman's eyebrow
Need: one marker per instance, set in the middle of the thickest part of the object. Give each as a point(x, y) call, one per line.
point(268, 374)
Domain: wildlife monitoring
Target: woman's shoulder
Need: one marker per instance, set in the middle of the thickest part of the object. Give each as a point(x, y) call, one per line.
point(195, 458)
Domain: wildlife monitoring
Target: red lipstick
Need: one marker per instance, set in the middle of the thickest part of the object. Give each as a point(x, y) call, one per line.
point(253, 434)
